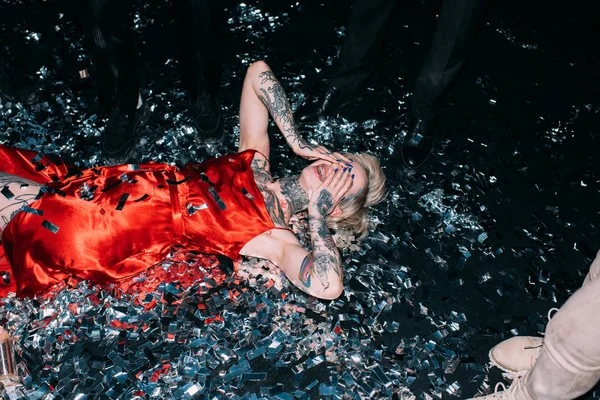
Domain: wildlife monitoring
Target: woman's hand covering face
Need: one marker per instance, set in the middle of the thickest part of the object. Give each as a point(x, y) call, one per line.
point(327, 196)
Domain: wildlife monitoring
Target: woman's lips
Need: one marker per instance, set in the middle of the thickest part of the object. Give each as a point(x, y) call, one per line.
point(320, 172)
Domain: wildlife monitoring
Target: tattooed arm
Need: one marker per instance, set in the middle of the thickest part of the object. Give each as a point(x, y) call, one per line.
point(272, 95)
point(262, 177)
point(263, 94)
point(319, 272)
point(323, 266)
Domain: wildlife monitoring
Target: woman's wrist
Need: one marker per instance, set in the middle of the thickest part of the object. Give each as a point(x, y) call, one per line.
point(314, 211)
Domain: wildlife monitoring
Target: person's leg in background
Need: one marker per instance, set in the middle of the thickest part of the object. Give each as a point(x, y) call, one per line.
point(199, 25)
point(594, 272)
point(568, 364)
point(450, 48)
point(367, 28)
point(107, 27)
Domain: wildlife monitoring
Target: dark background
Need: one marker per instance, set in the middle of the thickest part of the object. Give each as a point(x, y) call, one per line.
point(524, 168)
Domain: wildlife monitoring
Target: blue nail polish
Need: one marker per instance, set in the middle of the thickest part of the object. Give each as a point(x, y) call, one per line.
point(335, 170)
point(345, 169)
point(342, 198)
point(352, 176)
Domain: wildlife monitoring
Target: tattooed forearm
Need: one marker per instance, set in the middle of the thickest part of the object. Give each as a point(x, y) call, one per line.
point(15, 192)
point(324, 249)
point(293, 192)
point(274, 98)
point(323, 233)
point(324, 262)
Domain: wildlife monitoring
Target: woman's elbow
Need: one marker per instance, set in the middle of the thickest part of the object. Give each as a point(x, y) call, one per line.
point(332, 292)
point(257, 67)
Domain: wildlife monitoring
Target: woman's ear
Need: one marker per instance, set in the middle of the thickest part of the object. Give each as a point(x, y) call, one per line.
point(337, 211)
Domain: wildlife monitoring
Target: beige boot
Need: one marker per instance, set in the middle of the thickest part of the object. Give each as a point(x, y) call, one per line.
point(516, 391)
point(516, 354)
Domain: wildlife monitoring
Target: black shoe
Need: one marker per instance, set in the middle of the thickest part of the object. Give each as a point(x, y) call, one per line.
point(419, 141)
point(122, 133)
point(323, 104)
point(206, 116)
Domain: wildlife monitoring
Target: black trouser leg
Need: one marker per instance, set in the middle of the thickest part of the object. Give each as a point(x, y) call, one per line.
point(107, 26)
point(364, 40)
point(449, 51)
point(199, 23)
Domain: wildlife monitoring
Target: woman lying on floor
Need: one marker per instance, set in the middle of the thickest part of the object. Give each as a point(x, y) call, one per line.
point(107, 224)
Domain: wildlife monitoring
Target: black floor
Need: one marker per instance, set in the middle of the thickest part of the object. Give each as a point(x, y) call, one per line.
point(499, 227)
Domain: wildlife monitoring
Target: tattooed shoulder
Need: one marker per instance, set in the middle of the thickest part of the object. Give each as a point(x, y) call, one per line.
point(263, 177)
point(261, 172)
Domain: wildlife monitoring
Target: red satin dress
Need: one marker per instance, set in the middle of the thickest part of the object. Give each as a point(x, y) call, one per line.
point(107, 224)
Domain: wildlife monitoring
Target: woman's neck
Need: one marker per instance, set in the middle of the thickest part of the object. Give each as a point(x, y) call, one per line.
point(292, 197)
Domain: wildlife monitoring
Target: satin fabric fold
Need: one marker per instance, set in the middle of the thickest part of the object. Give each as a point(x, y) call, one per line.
point(107, 224)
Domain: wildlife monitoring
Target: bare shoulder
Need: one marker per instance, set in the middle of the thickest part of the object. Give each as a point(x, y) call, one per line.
point(264, 181)
point(262, 150)
point(270, 244)
point(261, 168)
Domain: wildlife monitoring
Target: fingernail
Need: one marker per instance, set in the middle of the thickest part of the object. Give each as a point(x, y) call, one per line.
point(350, 165)
point(352, 176)
point(342, 198)
point(335, 170)
point(338, 160)
point(345, 169)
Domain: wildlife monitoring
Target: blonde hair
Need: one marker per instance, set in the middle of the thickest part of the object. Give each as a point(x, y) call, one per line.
point(355, 209)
